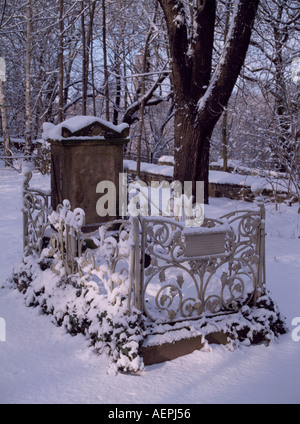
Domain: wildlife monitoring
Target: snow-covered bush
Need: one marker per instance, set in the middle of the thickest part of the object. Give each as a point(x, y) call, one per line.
point(83, 310)
point(85, 283)
point(80, 309)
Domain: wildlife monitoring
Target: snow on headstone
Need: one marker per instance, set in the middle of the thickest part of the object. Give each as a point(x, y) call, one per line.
point(85, 126)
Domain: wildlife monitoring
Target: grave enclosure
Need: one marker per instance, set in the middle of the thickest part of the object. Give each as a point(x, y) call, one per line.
point(192, 286)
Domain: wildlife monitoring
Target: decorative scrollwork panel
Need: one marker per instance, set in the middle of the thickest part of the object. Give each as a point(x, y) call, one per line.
point(36, 208)
point(177, 287)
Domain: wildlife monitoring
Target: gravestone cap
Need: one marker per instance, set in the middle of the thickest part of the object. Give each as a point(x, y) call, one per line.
point(85, 127)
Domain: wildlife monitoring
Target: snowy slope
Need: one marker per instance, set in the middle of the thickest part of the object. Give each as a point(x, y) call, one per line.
point(41, 364)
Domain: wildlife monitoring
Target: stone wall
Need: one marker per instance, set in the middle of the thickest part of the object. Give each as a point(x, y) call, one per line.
point(216, 190)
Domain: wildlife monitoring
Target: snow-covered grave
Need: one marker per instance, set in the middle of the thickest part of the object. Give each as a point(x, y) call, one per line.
point(40, 363)
point(144, 288)
point(139, 286)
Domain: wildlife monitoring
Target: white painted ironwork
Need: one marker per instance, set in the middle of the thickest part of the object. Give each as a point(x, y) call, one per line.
point(36, 209)
point(184, 280)
point(166, 270)
point(105, 257)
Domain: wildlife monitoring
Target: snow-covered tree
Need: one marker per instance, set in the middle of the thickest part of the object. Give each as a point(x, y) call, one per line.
point(201, 93)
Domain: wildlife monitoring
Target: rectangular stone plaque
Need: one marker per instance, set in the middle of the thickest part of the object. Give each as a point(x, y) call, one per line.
point(205, 244)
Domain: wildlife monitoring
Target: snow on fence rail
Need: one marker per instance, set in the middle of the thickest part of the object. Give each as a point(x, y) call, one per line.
point(211, 270)
point(163, 269)
point(36, 209)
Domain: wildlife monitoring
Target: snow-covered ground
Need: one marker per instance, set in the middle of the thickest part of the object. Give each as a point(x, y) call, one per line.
point(39, 363)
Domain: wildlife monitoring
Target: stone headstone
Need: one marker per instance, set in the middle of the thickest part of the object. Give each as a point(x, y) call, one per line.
point(85, 150)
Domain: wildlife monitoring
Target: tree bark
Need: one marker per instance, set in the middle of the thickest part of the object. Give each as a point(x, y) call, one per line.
point(143, 92)
point(61, 63)
point(201, 97)
point(6, 137)
point(225, 114)
point(106, 74)
point(28, 121)
point(117, 70)
point(90, 57)
point(84, 67)
point(225, 140)
point(284, 147)
point(192, 147)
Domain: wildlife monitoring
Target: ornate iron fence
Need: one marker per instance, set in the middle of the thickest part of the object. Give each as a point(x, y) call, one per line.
point(211, 270)
point(36, 209)
point(104, 257)
point(167, 271)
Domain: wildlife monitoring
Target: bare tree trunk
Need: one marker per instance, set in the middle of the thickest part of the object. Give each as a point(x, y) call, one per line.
point(93, 76)
point(106, 74)
point(28, 121)
point(281, 106)
point(89, 42)
point(142, 110)
point(117, 70)
point(126, 95)
point(90, 51)
point(61, 62)
point(143, 92)
point(225, 140)
point(192, 147)
point(84, 65)
point(6, 137)
point(140, 133)
point(201, 97)
point(225, 115)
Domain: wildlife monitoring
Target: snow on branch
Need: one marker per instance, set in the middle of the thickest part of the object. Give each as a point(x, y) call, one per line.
point(232, 58)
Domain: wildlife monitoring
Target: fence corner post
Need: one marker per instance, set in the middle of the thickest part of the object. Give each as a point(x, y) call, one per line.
point(262, 249)
point(138, 265)
point(27, 178)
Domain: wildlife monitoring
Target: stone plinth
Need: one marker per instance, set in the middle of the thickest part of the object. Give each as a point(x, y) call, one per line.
point(84, 152)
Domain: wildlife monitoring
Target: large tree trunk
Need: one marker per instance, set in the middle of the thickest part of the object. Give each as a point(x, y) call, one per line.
point(201, 97)
point(192, 143)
